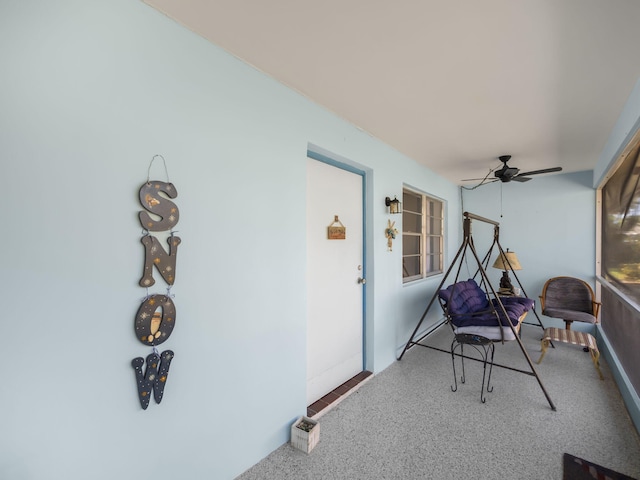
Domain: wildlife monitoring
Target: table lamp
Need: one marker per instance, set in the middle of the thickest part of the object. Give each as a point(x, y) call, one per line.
point(506, 261)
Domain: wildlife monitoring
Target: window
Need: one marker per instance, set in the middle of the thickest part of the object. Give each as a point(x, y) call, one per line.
point(422, 236)
point(621, 226)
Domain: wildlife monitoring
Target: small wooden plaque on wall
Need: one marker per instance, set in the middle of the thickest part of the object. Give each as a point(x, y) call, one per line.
point(336, 231)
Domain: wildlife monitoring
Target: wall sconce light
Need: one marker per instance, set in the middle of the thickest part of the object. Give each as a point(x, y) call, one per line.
point(394, 205)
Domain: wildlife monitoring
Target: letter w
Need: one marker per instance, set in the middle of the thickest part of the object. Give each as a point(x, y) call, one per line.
point(154, 378)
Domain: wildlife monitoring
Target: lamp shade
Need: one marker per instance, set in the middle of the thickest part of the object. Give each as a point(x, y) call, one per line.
point(509, 263)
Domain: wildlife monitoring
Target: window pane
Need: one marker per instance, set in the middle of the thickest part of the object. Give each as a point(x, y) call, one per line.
point(433, 263)
point(410, 244)
point(433, 245)
point(411, 202)
point(411, 267)
point(435, 209)
point(621, 226)
point(429, 261)
point(411, 222)
point(434, 226)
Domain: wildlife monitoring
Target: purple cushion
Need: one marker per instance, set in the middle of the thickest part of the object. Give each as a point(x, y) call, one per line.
point(517, 305)
point(464, 297)
point(467, 305)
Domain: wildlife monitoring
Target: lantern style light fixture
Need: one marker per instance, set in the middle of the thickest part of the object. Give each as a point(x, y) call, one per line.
point(506, 261)
point(395, 206)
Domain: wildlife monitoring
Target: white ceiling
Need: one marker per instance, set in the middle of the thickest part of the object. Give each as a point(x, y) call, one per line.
point(452, 84)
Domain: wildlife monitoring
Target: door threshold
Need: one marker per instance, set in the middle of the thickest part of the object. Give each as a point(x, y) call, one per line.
point(333, 398)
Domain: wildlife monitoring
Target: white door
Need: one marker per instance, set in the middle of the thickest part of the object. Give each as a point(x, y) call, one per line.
point(334, 278)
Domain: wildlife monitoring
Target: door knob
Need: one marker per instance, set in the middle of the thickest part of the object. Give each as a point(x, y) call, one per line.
point(362, 280)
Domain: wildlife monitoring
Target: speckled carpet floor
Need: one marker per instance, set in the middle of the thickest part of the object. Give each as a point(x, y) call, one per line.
point(406, 423)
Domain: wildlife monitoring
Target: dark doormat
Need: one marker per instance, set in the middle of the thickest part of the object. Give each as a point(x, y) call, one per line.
point(575, 468)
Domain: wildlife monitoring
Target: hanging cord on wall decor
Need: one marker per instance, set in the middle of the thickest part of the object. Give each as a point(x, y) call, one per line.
point(166, 172)
point(169, 294)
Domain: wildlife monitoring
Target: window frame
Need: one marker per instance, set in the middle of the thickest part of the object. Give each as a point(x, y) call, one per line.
point(607, 249)
point(425, 235)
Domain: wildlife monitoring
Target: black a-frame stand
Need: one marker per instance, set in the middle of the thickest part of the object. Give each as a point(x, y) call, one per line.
point(468, 246)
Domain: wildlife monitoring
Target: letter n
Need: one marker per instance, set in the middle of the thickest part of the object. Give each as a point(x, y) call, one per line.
point(165, 262)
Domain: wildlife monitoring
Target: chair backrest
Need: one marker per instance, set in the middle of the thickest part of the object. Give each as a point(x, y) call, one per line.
point(568, 293)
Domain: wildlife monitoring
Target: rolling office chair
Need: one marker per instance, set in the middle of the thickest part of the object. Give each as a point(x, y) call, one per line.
point(570, 299)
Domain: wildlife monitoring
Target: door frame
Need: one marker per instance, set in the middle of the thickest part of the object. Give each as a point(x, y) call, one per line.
point(318, 153)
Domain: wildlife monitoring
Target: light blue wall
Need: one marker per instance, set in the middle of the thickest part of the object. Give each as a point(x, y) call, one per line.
point(549, 223)
point(89, 92)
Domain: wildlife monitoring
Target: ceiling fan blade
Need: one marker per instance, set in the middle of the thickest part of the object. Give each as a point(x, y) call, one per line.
point(520, 178)
point(538, 172)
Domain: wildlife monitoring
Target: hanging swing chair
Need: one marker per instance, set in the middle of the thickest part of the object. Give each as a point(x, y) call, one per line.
point(477, 314)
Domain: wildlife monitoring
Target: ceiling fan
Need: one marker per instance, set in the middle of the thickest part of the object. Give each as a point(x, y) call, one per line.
point(507, 173)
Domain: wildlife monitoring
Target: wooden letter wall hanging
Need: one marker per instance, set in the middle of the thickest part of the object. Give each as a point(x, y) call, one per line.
point(156, 316)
